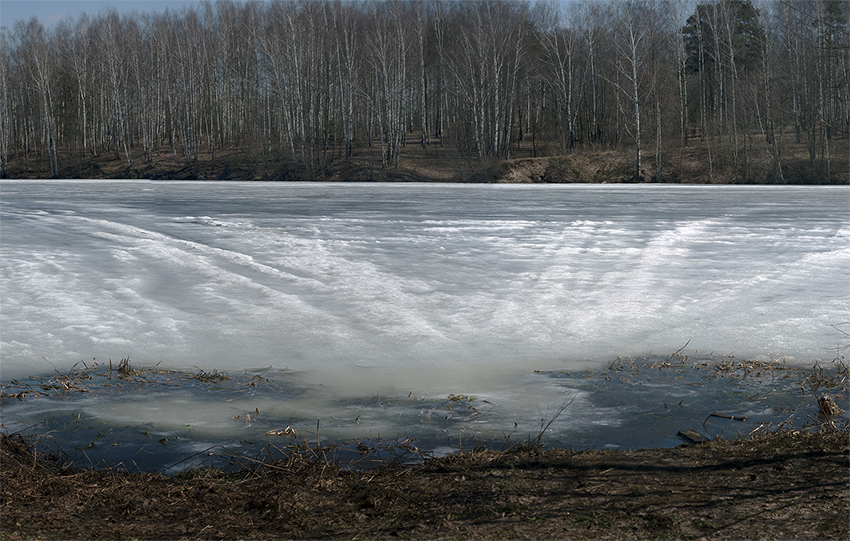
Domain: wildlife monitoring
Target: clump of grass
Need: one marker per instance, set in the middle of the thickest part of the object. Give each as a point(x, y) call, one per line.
point(16, 389)
point(779, 432)
point(32, 453)
point(68, 382)
point(125, 369)
point(831, 377)
point(211, 377)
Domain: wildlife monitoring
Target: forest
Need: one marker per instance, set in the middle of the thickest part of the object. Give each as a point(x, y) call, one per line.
point(754, 91)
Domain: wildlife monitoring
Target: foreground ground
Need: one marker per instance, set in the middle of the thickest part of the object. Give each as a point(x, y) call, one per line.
point(787, 485)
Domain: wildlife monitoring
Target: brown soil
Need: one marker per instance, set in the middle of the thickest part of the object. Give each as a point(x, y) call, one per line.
point(785, 485)
point(438, 162)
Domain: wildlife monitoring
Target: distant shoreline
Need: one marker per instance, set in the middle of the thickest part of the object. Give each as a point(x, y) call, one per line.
point(682, 165)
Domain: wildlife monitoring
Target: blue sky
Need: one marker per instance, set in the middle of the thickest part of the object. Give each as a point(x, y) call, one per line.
point(51, 11)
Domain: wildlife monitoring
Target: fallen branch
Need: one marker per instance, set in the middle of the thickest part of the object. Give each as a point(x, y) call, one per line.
point(722, 416)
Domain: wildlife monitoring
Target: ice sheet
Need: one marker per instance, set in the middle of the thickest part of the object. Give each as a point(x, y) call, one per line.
point(385, 290)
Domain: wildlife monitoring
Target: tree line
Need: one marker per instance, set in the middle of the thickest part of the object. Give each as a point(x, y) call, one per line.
point(313, 81)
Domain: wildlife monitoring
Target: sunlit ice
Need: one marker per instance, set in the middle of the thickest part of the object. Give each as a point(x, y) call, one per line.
point(359, 300)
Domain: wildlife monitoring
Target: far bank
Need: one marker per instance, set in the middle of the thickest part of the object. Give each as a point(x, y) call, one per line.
point(698, 162)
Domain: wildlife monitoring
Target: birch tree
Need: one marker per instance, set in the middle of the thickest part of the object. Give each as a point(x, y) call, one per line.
point(560, 44)
point(42, 73)
point(5, 98)
point(388, 51)
point(630, 45)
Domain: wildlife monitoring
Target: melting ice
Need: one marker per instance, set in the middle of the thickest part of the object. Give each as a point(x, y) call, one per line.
point(352, 292)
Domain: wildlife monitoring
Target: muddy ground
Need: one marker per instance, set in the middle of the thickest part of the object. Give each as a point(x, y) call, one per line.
point(787, 485)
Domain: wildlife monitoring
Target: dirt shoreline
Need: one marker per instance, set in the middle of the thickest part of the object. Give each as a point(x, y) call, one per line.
point(683, 164)
point(789, 484)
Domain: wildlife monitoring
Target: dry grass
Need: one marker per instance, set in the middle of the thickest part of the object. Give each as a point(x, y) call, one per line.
point(785, 484)
point(698, 162)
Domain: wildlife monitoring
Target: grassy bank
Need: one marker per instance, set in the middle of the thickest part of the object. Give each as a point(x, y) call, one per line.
point(696, 163)
point(780, 485)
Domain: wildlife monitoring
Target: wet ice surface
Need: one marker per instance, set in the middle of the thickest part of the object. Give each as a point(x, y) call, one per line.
point(166, 421)
point(374, 294)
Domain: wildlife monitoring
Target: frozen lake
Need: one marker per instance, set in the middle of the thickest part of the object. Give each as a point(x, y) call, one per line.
point(345, 295)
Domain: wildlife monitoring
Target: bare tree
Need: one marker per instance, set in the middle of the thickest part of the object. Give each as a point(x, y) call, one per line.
point(560, 44)
point(314, 81)
point(678, 46)
point(630, 45)
point(5, 98)
point(41, 68)
point(115, 64)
